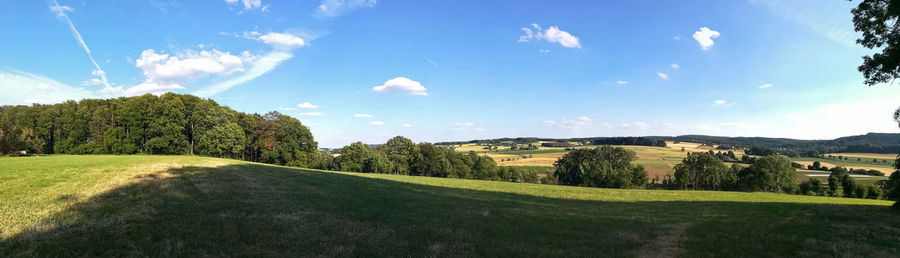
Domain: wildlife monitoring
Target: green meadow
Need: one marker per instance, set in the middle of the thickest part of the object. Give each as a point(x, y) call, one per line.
point(195, 206)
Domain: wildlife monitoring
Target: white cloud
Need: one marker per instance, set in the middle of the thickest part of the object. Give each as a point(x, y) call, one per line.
point(675, 66)
point(574, 124)
point(363, 116)
point(402, 84)
point(463, 126)
point(544, 51)
point(249, 4)
point(432, 62)
point(767, 85)
point(676, 38)
point(553, 34)
point(376, 123)
point(307, 105)
point(663, 76)
point(311, 114)
point(407, 126)
point(622, 82)
point(164, 72)
point(60, 11)
point(283, 45)
point(639, 126)
point(258, 67)
point(705, 37)
point(722, 103)
point(282, 40)
point(21, 88)
point(333, 8)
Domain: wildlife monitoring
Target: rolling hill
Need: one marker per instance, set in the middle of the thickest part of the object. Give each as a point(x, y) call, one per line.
point(140, 205)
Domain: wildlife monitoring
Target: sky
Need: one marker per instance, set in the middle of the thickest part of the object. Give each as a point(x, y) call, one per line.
point(368, 70)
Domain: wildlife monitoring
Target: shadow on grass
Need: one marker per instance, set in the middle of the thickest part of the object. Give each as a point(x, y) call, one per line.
point(260, 210)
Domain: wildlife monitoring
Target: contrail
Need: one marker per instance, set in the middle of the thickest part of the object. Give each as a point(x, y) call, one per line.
point(61, 13)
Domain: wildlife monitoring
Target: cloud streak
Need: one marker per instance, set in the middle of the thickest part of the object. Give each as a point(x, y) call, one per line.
point(60, 11)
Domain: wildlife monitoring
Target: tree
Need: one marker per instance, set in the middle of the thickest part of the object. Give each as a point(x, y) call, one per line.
point(401, 152)
point(604, 166)
point(353, 157)
point(839, 177)
point(703, 172)
point(377, 163)
point(877, 20)
point(222, 141)
point(772, 173)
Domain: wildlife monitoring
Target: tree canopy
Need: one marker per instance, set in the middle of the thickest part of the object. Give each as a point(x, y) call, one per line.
point(167, 124)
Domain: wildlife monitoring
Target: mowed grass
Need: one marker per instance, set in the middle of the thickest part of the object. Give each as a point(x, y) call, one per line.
point(194, 206)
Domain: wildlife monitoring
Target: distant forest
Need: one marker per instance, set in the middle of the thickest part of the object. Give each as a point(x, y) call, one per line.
point(167, 124)
point(869, 143)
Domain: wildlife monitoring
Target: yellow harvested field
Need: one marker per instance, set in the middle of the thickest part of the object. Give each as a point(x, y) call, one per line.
point(535, 160)
point(865, 155)
point(885, 170)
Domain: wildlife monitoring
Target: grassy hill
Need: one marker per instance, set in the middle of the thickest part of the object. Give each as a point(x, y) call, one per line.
point(195, 206)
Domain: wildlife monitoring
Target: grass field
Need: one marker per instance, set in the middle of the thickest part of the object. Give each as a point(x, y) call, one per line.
point(194, 206)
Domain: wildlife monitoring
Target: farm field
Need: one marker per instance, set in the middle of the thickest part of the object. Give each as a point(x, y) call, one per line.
point(196, 206)
point(658, 161)
point(885, 167)
point(881, 156)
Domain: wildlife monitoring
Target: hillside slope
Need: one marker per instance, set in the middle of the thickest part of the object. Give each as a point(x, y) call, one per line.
point(194, 206)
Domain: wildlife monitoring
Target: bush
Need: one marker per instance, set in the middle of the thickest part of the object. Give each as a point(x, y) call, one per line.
point(874, 191)
point(860, 191)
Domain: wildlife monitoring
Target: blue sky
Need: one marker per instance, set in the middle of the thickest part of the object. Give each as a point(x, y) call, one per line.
point(368, 70)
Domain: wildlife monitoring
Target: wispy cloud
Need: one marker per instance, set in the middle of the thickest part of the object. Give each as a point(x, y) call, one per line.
point(622, 82)
point(663, 76)
point(376, 123)
point(334, 8)
point(311, 114)
point(363, 116)
point(283, 45)
point(432, 62)
point(60, 11)
point(722, 103)
point(21, 88)
point(827, 18)
point(307, 105)
point(767, 85)
point(579, 122)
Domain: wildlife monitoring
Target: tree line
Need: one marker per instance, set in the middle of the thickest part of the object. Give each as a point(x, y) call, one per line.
point(402, 156)
point(170, 124)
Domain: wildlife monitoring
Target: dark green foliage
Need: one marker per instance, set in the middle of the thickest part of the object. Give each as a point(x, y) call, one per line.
point(772, 173)
point(401, 156)
point(604, 166)
point(400, 151)
point(877, 20)
point(170, 124)
point(838, 176)
point(704, 172)
point(812, 186)
point(874, 192)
